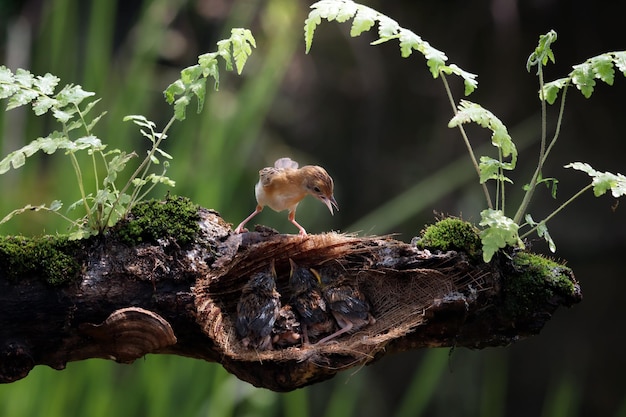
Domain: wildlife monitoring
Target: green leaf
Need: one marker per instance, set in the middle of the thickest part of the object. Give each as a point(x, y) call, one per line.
point(48, 145)
point(208, 62)
point(551, 89)
point(619, 59)
point(583, 78)
point(491, 169)
point(469, 79)
point(551, 184)
point(140, 120)
point(72, 94)
point(387, 27)
point(408, 42)
point(198, 88)
point(62, 116)
point(43, 104)
point(542, 231)
point(175, 89)
point(116, 165)
point(6, 76)
point(472, 112)
point(163, 153)
point(180, 107)
point(500, 231)
point(21, 97)
point(602, 181)
point(24, 78)
point(191, 74)
point(95, 120)
point(46, 84)
point(310, 24)
point(543, 51)
point(242, 43)
point(602, 66)
point(88, 142)
point(363, 21)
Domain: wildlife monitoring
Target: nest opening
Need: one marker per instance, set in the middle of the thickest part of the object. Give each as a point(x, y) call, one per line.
point(400, 299)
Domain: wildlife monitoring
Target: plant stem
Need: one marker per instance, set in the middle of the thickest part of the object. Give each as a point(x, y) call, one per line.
point(79, 177)
point(145, 164)
point(542, 151)
point(555, 212)
point(466, 139)
point(559, 122)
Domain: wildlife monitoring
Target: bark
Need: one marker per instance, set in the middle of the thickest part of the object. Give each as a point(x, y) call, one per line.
point(172, 295)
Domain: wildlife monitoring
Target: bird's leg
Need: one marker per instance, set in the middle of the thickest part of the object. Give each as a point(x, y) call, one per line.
point(292, 219)
point(347, 328)
point(239, 228)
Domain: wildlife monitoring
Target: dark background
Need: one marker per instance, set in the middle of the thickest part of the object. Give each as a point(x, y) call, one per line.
point(378, 124)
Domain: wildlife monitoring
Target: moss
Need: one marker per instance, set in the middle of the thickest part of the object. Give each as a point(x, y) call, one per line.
point(176, 217)
point(534, 282)
point(452, 234)
point(49, 257)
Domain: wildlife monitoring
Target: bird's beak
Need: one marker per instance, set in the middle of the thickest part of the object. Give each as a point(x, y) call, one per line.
point(330, 203)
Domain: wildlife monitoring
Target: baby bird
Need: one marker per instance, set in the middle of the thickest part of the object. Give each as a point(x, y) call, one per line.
point(347, 304)
point(307, 300)
point(286, 330)
point(258, 309)
point(283, 186)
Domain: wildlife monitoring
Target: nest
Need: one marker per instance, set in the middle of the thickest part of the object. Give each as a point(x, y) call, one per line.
point(404, 286)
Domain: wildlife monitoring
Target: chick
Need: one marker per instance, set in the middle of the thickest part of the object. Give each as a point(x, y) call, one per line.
point(258, 309)
point(347, 304)
point(284, 185)
point(286, 330)
point(308, 301)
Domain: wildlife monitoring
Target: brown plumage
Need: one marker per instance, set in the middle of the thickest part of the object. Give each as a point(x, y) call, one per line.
point(347, 304)
point(258, 309)
point(284, 185)
point(307, 300)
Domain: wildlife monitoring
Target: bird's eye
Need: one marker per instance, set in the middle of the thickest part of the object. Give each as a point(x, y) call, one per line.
point(317, 189)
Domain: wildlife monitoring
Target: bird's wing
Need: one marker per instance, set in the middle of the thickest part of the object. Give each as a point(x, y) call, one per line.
point(348, 301)
point(266, 175)
point(263, 322)
point(285, 163)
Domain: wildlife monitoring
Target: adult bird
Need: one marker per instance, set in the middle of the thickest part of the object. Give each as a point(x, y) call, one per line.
point(284, 185)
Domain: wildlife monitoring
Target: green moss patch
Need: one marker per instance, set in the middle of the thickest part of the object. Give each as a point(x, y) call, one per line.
point(176, 217)
point(452, 234)
point(534, 282)
point(50, 258)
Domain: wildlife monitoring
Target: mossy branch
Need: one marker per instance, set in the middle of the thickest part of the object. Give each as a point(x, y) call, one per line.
point(168, 279)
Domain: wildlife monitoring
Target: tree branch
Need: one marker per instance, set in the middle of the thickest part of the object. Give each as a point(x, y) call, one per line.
point(170, 294)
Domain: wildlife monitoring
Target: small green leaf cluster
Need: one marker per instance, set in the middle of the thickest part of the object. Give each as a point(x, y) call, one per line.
point(364, 18)
point(107, 202)
point(192, 81)
point(584, 75)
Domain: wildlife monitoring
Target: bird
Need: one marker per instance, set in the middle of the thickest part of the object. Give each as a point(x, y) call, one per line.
point(307, 300)
point(284, 185)
point(258, 309)
point(346, 302)
point(286, 330)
